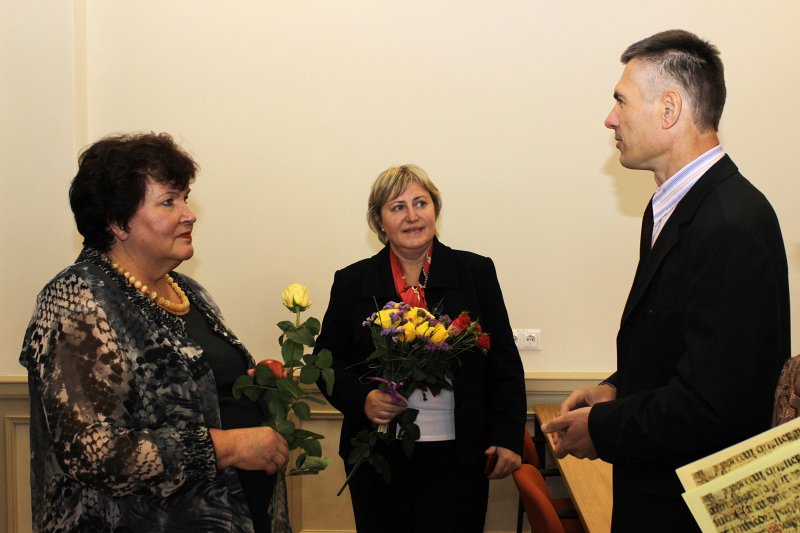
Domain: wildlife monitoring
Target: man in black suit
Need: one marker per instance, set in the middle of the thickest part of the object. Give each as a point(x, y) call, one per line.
point(705, 329)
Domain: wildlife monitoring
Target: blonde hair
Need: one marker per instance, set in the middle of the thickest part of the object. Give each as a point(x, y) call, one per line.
point(389, 185)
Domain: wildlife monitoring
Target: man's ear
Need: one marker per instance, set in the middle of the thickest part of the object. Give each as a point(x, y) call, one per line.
point(118, 232)
point(672, 106)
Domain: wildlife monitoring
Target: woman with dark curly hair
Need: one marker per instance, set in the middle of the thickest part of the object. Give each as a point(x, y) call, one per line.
point(130, 367)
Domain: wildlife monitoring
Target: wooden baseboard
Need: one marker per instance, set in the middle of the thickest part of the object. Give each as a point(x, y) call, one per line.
point(15, 509)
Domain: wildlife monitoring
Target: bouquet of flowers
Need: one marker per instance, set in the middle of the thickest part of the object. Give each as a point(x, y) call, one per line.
point(414, 350)
point(278, 381)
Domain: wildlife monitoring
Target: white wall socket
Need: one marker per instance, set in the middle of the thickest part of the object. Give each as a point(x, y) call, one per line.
point(528, 340)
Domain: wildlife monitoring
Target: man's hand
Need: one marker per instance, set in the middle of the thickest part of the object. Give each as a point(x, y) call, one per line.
point(572, 434)
point(571, 428)
point(588, 397)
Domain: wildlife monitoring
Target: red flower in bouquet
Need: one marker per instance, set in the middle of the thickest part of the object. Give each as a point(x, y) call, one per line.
point(460, 324)
point(483, 342)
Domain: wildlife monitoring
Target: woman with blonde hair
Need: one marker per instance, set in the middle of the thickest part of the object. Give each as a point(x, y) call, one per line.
point(469, 434)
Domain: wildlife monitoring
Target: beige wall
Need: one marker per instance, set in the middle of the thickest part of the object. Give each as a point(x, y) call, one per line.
point(292, 108)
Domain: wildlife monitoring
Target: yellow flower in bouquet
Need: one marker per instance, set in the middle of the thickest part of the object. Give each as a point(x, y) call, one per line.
point(418, 315)
point(437, 334)
point(407, 332)
point(387, 318)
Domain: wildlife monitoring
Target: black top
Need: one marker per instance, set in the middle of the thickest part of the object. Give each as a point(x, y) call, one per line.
point(227, 363)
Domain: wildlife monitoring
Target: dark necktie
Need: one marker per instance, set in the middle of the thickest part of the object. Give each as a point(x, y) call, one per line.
point(647, 231)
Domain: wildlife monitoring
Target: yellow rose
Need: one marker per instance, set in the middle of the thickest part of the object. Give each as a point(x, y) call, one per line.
point(424, 329)
point(438, 334)
point(295, 298)
point(412, 316)
point(407, 332)
point(384, 318)
point(418, 315)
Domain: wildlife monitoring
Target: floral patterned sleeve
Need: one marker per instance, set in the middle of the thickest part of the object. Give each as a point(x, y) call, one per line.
point(87, 379)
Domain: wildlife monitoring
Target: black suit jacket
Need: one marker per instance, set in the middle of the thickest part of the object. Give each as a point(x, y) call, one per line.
point(489, 390)
point(702, 339)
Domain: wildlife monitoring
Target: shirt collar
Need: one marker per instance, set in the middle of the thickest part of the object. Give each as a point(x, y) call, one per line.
point(672, 191)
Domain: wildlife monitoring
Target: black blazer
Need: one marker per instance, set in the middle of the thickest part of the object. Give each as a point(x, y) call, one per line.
point(703, 337)
point(489, 390)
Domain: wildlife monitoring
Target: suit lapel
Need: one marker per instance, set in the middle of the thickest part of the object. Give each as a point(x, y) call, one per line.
point(444, 270)
point(670, 234)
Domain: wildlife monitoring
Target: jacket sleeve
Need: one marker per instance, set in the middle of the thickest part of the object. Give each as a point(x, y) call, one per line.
point(505, 378)
point(82, 379)
point(337, 335)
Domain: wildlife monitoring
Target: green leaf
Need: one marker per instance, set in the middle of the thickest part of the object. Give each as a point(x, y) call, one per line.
point(301, 335)
point(277, 408)
point(302, 410)
point(293, 442)
point(316, 462)
point(253, 393)
point(309, 374)
point(292, 352)
point(357, 454)
point(309, 398)
point(284, 397)
point(285, 428)
point(313, 447)
point(288, 386)
point(310, 358)
point(312, 324)
point(324, 358)
point(377, 354)
point(311, 466)
point(327, 377)
point(305, 434)
point(377, 338)
point(264, 376)
point(241, 384)
point(285, 325)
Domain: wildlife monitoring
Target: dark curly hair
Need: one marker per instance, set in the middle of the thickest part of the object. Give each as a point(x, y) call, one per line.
point(112, 180)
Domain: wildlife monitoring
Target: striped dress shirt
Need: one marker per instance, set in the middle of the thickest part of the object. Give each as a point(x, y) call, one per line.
point(671, 192)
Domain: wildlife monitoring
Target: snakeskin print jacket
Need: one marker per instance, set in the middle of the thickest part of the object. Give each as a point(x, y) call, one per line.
point(121, 405)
